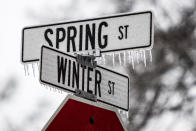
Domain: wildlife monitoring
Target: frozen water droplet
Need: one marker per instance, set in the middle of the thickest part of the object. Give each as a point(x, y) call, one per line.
point(25, 70)
point(120, 62)
point(38, 66)
point(33, 70)
point(150, 55)
point(60, 91)
point(144, 56)
point(54, 89)
point(127, 114)
point(129, 53)
point(132, 59)
point(124, 58)
point(113, 60)
point(137, 55)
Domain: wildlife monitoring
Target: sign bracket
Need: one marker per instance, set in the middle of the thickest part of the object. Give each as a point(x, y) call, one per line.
point(85, 95)
point(88, 60)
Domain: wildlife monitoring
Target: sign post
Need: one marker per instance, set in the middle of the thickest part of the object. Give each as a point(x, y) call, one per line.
point(62, 70)
point(106, 34)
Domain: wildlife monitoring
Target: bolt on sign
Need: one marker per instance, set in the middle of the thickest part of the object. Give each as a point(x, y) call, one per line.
point(62, 70)
point(107, 34)
point(78, 114)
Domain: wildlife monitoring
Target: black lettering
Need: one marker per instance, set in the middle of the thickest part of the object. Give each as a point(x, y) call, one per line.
point(58, 38)
point(90, 36)
point(47, 38)
point(75, 76)
point(105, 37)
point(69, 72)
point(71, 38)
point(89, 79)
point(62, 66)
point(120, 30)
point(97, 82)
point(83, 73)
point(126, 27)
point(81, 36)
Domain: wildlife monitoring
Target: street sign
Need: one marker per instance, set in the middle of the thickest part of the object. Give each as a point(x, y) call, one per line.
point(107, 34)
point(78, 114)
point(62, 70)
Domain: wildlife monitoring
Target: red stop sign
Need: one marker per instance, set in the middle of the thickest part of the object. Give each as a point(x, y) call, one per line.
point(78, 114)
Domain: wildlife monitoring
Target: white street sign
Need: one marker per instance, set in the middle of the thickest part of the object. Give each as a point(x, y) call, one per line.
point(61, 70)
point(107, 34)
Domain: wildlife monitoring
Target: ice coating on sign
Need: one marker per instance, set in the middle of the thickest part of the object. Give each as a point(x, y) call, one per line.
point(113, 60)
point(137, 56)
point(129, 57)
point(144, 56)
point(25, 70)
point(38, 66)
point(33, 70)
point(124, 58)
point(132, 57)
point(120, 62)
point(150, 56)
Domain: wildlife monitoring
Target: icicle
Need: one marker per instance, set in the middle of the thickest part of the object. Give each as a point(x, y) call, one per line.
point(150, 56)
point(54, 89)
point(129, 53)
point(45, 86)
point(141, 55)
point(33, 70)
point(38, 66)
point(113, 59)
point(137, 55)
point(144, 56)
point(50, 88)
point(132, 60)
point(60, 91)
point(127, 114)
point(124, 58)
point(25, 70)
point(119, 59)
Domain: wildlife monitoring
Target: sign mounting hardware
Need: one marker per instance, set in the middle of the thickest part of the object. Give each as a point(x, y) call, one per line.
point(86, 60)
point(86, 95)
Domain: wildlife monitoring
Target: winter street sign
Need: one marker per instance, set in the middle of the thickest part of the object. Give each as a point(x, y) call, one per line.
point(107, 34)
point(61, 70)
point(78, 114)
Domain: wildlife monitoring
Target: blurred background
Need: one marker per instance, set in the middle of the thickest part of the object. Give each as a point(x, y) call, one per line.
point(163, 94)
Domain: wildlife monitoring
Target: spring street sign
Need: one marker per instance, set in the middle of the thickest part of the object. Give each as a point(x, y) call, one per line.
point(62, 70)
point(106, 34)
